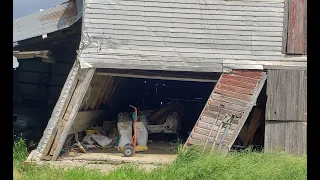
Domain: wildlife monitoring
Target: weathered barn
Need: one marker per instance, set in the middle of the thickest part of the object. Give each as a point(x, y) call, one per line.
point(229, 49)
point(44, 45)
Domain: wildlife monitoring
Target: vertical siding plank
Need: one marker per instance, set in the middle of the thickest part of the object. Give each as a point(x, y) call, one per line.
point(305, 27)
point(285, 27)
point(296, 27)
point(286, 91)
point(286, 136)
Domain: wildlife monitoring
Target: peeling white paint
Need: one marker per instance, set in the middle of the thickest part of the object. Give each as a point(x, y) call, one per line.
point(84, 64)
point(15, 62)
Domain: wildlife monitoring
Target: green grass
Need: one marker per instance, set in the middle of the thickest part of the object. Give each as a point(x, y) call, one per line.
point(190, 164)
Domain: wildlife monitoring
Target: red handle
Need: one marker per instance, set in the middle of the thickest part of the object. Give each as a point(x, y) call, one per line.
point(134, 138)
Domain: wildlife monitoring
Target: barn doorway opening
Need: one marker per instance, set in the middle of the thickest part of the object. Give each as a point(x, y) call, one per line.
point(167, 108)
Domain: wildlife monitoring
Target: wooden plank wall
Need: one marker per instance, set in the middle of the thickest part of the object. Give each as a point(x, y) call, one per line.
point(286, 136)
point(287, 95)
point(98, 92)
point(286, 111)
point(297, 27)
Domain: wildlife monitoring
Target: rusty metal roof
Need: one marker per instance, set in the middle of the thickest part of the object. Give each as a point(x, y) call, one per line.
point(50, 20)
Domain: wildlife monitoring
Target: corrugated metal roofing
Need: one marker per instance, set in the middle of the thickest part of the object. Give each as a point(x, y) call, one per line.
point(47, 21)
point(236, 91)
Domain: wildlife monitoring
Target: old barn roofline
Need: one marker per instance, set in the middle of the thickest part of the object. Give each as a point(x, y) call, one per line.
point(50, 20)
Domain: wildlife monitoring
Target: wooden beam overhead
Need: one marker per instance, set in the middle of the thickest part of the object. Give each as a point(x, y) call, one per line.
point(45, 55)
point(163, 75)
point(32, 54)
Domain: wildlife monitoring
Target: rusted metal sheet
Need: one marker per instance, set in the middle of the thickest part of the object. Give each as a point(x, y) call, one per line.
point(68, 13)
point(297, 29)
point(235, 100)
point(50, 20)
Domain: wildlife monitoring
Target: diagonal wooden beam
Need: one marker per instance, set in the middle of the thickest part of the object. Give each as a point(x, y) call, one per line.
point(78, 98)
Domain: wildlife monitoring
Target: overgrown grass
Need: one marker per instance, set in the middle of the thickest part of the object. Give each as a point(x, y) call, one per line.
point(19, 153)
point(190, 164)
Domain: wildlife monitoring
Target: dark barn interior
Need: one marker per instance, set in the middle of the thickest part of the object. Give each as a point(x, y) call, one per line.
point(153, 94)
point(37, 82)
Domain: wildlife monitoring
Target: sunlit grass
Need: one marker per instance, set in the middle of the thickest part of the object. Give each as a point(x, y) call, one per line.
point(190, 164)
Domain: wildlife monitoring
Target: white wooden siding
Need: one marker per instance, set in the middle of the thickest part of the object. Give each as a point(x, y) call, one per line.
point(180, 35)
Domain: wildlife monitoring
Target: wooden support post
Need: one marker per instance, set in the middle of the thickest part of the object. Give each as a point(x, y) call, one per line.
point(79, 95)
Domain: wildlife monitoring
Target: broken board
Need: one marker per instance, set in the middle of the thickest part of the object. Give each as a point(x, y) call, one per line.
point(237, 91)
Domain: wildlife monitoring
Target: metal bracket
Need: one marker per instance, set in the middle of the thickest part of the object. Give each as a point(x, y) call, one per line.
point(228, 124)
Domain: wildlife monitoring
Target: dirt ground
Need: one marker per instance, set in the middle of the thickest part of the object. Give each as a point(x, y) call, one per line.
point(103, 167)
point(106, 160)
point(158, 153)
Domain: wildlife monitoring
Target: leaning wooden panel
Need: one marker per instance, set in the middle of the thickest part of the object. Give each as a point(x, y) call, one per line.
point(62, 122)
point(57, 113)
point(79, 98)
point(286, 136)
point(287, 95)
point(235, 101)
